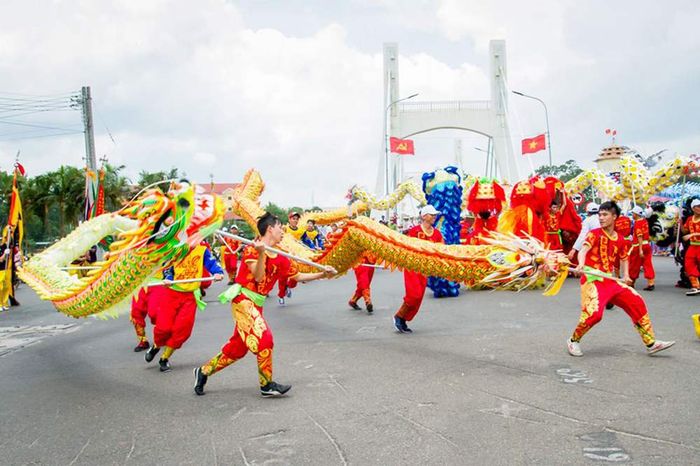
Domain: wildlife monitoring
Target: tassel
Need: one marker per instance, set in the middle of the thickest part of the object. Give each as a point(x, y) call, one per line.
point(558, 283)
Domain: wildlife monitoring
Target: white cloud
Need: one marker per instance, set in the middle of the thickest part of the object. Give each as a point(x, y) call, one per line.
point(191, 85)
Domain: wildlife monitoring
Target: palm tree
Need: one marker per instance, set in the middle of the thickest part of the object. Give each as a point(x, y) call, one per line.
point(148, 178)
point(38, 199)
point(68, 193)
point(116, 187)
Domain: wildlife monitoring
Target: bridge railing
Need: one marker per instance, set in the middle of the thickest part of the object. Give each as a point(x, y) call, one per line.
point(444, 106)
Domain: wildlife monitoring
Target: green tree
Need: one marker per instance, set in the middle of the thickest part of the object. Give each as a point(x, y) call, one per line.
point(149, 178)
point(68, 193)
point(116, 187)
point(565, 172)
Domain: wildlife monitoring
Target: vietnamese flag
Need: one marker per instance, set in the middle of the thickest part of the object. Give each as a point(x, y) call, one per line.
point(401, 146)
point(533, 145)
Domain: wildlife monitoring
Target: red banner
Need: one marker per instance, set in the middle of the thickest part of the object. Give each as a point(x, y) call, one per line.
point(401, 146)
point(533, 145)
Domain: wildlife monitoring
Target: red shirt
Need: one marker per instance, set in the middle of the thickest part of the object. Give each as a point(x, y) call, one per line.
point(623, 225)
point(641, 229)
point(604, 250)
point(692, 226)
point(275, 268)
point(417, 232)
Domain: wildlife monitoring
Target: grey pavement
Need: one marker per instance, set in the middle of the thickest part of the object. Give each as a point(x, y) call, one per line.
point(484, 379)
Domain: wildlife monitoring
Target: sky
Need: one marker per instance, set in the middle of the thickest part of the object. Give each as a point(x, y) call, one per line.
point(294, 88)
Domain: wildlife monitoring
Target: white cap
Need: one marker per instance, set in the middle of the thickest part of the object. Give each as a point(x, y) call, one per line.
point(592, 208)
point(638, 210)
point(695, 202)
point(428, 210)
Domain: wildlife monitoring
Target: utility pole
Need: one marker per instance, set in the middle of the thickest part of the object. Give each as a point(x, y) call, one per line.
point(86, 102)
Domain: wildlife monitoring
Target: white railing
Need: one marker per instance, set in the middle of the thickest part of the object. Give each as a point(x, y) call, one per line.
point(444, 106)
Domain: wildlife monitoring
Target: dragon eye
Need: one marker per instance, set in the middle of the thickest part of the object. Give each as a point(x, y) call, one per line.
point(184, 203)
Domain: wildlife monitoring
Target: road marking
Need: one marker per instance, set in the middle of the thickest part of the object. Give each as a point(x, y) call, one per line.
point(18, 337)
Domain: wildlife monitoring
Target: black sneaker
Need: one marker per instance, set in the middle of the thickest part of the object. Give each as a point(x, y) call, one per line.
point(200, 380)
point(353, 305)
point(143, 346)
point(164, 365)
point(370, 308)
point(609, 306)
point(649, 288)
point(399, 324)
point(274, 389)
point(151, 353)
point(405, 327)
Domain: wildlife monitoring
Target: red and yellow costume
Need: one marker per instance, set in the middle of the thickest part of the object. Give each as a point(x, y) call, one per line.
point(640, 246)
point(176, 304)
point(415, 283)
point(363, 276)
point(251, 332)
point(527, 203)
point(552, 239)
point(229, 257)
point(623, 227)
point(692, 257)
point(597, 292)
point(485, 201)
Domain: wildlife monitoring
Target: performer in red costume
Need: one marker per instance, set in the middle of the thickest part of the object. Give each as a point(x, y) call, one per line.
point(552, 239)
point(414, 282)
point(363, 276)
point(640, 252)
point(229, 254)
point(257, 275)
point(177, 304)
point(602, 247)
point(691, 233)
point(485, 201)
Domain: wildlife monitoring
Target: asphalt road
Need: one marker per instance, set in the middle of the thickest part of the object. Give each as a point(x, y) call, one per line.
point(484, 379)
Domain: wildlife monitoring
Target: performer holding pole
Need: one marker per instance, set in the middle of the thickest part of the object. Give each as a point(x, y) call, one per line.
point(262, 266)
point(599, 252)
point(176, 304)
point(229, 254)
point(414, 282)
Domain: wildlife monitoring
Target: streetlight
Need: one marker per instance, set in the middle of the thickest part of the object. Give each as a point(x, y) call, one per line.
point(546, 118)
point(386, 140)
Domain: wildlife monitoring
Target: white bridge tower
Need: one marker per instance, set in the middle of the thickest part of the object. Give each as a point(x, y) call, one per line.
point(408, 118)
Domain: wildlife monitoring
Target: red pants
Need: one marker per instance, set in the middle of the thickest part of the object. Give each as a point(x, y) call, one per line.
point(594, 297)
point(282, 286)
point(230, 264)
point(250, 333)
point(415, 284)
point(363, 276)
point(176, 313)
point(636, 262)
point(692, 261)
point(139, 308)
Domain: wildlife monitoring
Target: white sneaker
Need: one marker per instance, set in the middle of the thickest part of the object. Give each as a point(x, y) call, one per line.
point(660, 346)
point(692, 292)
point(280, 301)
point(574, 348)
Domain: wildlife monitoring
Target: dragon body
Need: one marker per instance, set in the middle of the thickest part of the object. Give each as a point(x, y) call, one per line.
point(507, 263)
